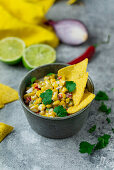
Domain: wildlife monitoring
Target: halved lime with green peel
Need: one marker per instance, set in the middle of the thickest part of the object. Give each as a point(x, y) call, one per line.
point(11, 50)
point(37, 55)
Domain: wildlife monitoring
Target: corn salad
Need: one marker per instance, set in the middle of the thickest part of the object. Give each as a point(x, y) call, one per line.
point(57, 95)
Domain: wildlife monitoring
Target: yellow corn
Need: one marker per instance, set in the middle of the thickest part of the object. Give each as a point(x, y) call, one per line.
point(46, 78)
point(41, 107)
point(42, 113)
point(29, 94)
point(38, 93)
point(56, 103)
point(64, 90)
point(34, 108)
point(52, 76)
point(43, 89)
point(55, 90)
point(55, 96)
point(62, 103)
point(67, 100)
point(70, 104)
point(48, 106)
point(38, 100)
point(63, 95)
point(33, 97)
point(52, 80)
point(50, 114)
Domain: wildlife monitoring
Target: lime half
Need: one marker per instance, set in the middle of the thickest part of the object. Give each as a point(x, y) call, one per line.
point(11, 50)
point(37, 55)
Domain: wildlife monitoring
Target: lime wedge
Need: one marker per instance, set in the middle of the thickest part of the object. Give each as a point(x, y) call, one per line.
point(11, 50)
point(37, 55)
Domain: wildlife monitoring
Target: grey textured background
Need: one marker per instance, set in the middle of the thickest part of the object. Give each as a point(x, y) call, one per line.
point(23, 149)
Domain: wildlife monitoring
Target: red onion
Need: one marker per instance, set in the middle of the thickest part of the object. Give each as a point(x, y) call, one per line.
point(70, 31)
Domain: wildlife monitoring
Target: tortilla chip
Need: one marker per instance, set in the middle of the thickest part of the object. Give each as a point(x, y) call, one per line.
point(74, 71)
point(87, 98)
point(4, 130)
point(7, 95)
point(80, 88)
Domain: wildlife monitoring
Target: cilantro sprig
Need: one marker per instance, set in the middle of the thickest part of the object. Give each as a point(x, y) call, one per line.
point(86, 147)
point(49, 74)
point(101, 95)
point(104, 108)
point(108, 120)
point(33, 80)
point(102, 141)
point(60, 111)
point(92, 129)
point(47, 97)
point(70, 85)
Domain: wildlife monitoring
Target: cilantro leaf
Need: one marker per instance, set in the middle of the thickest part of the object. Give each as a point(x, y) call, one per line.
point(86, 147)
point(108, 120)
point(102, 141)
point(50, 74)
point(33, 79)
point(101, 95)
point(113, 130)
point(46, 96)
point(70, 85)
point(112, 89)
point(60, 111)
point(104, 108)
point(92, 129)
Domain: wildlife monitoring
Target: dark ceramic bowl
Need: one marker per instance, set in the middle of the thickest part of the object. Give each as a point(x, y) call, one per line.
point(58, 127)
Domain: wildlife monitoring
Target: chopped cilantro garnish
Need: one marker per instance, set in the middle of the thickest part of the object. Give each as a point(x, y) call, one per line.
point(108, 120)
point(60, 111)
point(113, 130)
point(86, 147)
point(101, 95)
point(102, 141)
point(104, 108)
point(33, 79)
point(112, 89)
point(46, 96)
point(92, 129)
point(71, 86)
point(50, 74)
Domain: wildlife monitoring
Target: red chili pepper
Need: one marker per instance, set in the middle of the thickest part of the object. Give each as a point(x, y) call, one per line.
point(60, 96)
point(87, 54)
point(28, 99)
point(59, 77)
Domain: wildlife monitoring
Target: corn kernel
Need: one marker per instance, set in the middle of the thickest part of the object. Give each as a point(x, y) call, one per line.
point(38, 100)
point(62, 103)
point(57, 102)
point(46, 78)
point(52, 80)
point(70, 104)
point(48, 106)
point(38, 93)
point(34, 108)
point(64, 90)
point(52, 76)
point(33, 97)
point(42, 112)
point(29, 94)
point(43, 89)
point(67, 100)
point(41, 107)
point(55, 96)
point(63, 95)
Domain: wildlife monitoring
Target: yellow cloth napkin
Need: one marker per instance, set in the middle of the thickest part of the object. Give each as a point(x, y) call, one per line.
point(21, 18)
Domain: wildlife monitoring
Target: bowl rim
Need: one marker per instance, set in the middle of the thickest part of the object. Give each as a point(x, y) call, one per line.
point(51, 118)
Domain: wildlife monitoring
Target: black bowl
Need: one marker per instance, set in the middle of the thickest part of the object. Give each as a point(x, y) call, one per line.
point(58, 127)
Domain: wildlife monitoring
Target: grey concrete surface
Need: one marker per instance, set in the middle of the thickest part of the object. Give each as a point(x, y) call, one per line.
point(23, 149)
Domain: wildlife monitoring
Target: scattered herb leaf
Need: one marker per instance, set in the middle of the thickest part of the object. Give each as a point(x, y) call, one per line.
point(50, 74)
point(112, 89)
point(104, 108)
point(108, 120)
point(46, 96)
point(60, 111)
point(102, 141)
point(101, 95)
point(86, 147)
point(92, 129)
point(71, 86)
point(113, 130)
point(33, 79)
